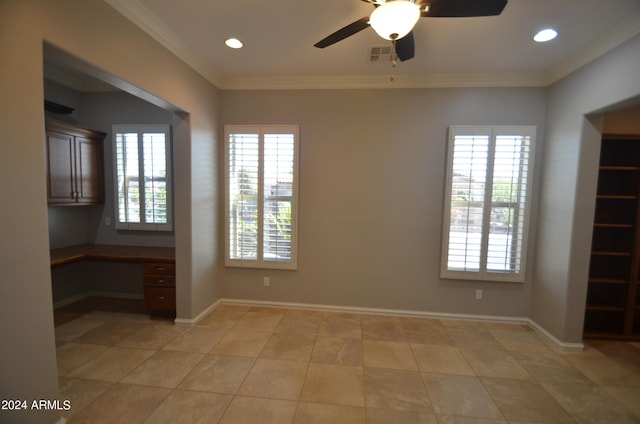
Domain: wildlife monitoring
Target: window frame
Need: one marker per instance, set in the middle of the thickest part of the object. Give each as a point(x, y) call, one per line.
point(141, 130)
point(483, 273)
point(260, 262)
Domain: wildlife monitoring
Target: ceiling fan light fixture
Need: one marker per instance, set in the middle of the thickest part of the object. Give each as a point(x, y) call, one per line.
point(394, 19)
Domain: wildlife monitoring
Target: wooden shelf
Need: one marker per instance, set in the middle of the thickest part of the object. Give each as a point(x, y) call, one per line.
point(620, 168)
point(613, 305)
point(607, 225)
point(607, 281)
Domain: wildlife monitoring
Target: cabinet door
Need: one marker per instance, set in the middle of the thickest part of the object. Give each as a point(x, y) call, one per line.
point(88, 170)
point(60, 184)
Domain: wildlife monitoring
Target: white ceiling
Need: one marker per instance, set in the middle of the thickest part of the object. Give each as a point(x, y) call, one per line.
point(278, 36)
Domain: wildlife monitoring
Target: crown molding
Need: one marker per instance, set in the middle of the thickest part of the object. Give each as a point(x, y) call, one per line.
point(618, 34)
point(148, 22)
point(321, 82)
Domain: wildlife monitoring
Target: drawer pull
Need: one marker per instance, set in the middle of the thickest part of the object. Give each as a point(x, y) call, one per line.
point(160, 281)
point(159, 268)
point(160, 297)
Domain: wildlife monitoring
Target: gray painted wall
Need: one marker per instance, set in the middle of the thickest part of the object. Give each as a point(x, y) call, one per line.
point(570, 166)
point(371, 196)
point(95, 37)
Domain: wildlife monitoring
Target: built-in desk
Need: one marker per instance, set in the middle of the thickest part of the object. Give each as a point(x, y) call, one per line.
point(158, 265)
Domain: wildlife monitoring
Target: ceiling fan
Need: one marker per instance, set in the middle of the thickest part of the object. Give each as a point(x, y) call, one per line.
point(394, 19)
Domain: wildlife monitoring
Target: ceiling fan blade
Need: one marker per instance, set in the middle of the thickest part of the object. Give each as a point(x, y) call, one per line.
point(463, 8)
point(343, 33)
point(405, 48)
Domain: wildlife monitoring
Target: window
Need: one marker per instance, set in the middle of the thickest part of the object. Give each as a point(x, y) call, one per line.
point(142, 177)
point(261, 196)
point(487, 198)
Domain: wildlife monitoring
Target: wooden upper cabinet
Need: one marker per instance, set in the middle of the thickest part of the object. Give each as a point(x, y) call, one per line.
point(75, 174)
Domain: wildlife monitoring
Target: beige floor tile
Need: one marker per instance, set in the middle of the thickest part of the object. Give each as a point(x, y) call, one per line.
point(122, 404)
point(387, 416)
point(382, 328)
point(113, 364)
point(112, 332)
point(590, 404)
point(518, 340)
point(302, 312)
point(289, 346)
point(245, 410)
point(275, 379)
point(337, 384)
point(222, 318)
point(268, 309)
point(235, 308)
point(339, 351)
point(383, 354)
point(80, 393)
point(460, 323)
point(494, 363)
point(343, 326)
point(549, 366)
point(525, 400)
point(242, 343)
point(628, 396)
point(72, 355)
point(426, 331)
point(71, 330)
point(218, 373)
point(153, 336)
point(196, 339)
point(603, 370)
point(299, 324)
point(164, 369)
point(626, 354)
point(459, 395)
point(473, 337)
point(451, 419)
point(395, 389)
point(190, 407)
point(258, 321)
point(440, 359)
point(318, 413)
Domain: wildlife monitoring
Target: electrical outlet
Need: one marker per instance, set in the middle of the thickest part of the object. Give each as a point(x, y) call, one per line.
point(266, 281)
point(107, 220)
point(479, 294)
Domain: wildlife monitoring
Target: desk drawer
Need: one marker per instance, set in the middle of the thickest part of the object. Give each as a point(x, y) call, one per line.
point(160, 299)
point(160, 281)
point(159, 268)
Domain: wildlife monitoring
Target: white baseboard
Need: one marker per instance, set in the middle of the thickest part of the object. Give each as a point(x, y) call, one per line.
point(570, 347)
point(374, 311)
point(342, 309)
point(408, 313)
point(197, 318)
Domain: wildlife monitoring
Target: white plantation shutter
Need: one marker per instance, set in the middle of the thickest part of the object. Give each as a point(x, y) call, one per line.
point(487, 202)
point(261, 196)
point(244, 168)
point(142, 177)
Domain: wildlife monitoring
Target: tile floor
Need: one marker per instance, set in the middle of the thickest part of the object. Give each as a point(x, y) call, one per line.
point(257, 365)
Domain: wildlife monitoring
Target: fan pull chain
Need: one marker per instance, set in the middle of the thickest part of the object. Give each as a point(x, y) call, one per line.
point(394, 61)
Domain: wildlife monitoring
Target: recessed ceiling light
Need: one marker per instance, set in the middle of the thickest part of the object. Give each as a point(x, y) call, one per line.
point(234, 43)
point(545, 35)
